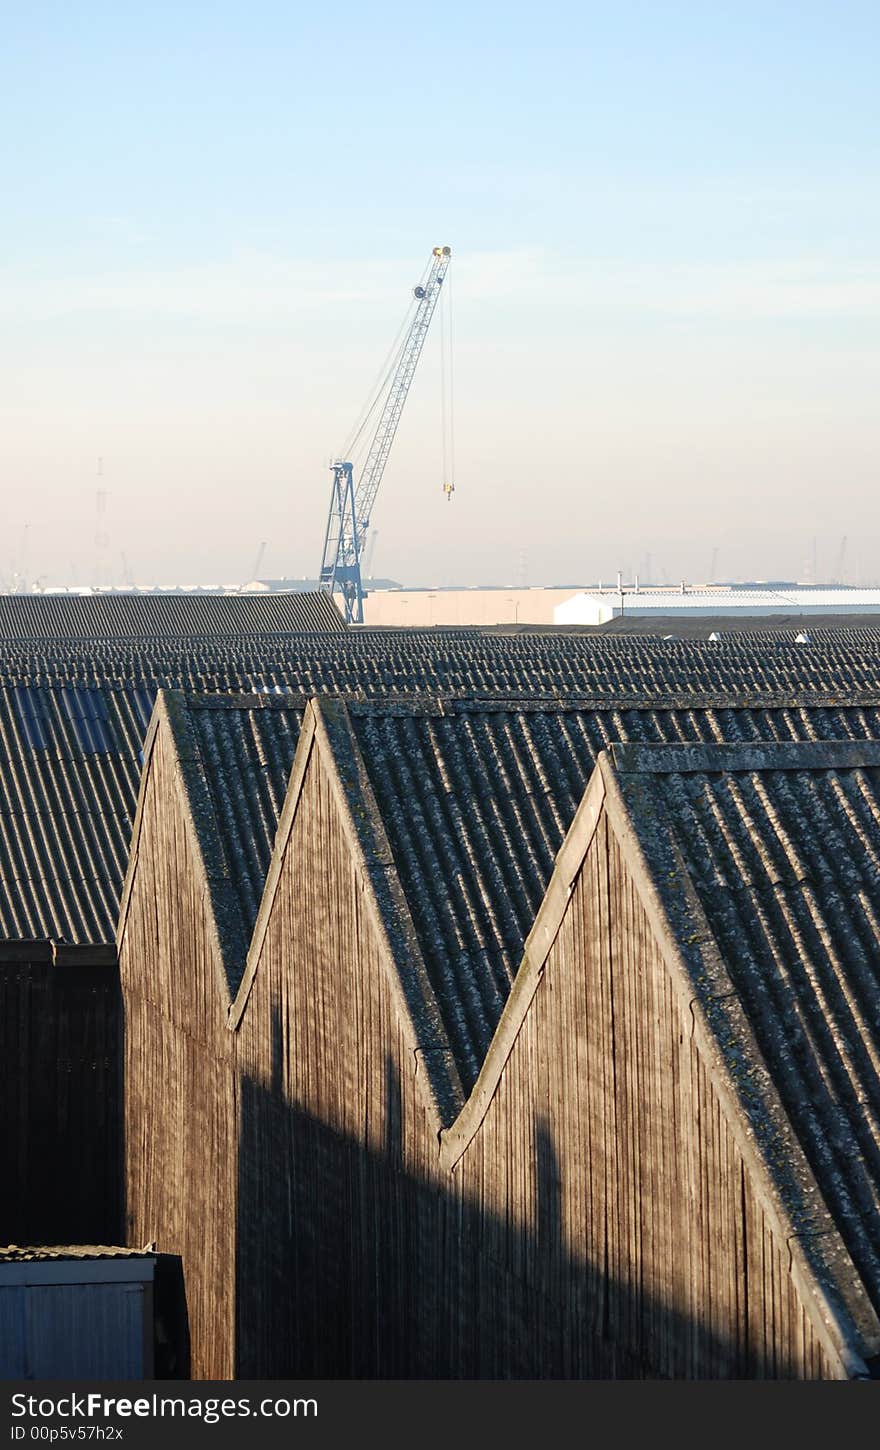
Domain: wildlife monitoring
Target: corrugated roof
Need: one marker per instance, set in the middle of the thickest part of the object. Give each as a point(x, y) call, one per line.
point(782, 847)
point(15, 1254)
point(67, 808)
point(148, 616)
point(73, 716)
point(68, 798)
point(69, 776)
point(246, 748)
point(476, 801)
point(375, 663)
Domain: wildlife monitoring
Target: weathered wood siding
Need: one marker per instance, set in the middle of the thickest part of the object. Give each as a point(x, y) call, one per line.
point(335, 1149)
point(654, 1254)
point(601, 1222)
point(60, 1110)
point(180, 1142)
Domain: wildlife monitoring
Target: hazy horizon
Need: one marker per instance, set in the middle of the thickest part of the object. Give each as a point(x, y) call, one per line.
point(665, 277)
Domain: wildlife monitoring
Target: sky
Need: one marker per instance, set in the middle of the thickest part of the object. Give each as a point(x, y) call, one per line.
point(665, 286)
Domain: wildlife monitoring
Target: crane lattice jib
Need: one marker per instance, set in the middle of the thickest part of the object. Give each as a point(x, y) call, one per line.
point(374, 464)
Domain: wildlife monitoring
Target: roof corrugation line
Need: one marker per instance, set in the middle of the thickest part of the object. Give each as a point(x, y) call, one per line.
point(147, 616)
point(786, 866)
point(69, 773)
point(374, 664)
point(247, 753)
point(476, 804)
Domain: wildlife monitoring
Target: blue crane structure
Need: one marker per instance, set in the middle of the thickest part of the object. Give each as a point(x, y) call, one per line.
point(351, 505)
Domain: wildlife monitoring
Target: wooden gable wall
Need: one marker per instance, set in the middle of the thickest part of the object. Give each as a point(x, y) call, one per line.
point(337, 1209)
point(605, 1136)
point(180, 1121)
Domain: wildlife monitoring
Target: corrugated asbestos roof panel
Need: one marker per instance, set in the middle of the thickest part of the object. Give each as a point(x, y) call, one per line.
point(247, 751)
point(69, 770)
point(66, 813)
point(374, 664)
point(476, 801)
point(71, 752)
point(148, 616)
point(784, 856)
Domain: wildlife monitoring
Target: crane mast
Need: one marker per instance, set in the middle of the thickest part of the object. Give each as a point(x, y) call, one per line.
point(351, 504)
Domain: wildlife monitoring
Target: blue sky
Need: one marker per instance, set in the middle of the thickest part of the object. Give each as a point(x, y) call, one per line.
point(664, 220)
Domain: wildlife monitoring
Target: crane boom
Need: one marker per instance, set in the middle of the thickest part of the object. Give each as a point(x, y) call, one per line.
point(351, 505)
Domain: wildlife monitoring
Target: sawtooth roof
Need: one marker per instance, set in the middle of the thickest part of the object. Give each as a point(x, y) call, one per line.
point(475, 800)
point(69, 783)
point(74, 715)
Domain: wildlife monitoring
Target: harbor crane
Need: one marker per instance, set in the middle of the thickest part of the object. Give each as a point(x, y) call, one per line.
point(351, 504)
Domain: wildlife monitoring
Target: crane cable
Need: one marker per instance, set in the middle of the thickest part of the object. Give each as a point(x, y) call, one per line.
point(451, 385)
point(385, 373)
point(444, 450)
point(447, 395)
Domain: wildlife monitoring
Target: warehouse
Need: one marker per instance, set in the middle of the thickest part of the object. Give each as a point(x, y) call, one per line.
point(73, 717)
point(452, 888)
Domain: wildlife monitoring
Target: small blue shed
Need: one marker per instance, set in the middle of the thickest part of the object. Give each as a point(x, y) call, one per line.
point(77, 1312)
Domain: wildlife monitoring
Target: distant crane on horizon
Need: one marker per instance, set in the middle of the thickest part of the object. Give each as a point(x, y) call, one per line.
point(351, 504)
point(837, 577)
point(255, 567)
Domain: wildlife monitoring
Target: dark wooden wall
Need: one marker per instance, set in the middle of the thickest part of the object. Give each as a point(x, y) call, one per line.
point(60, 1109)
point(335, 1146)
point(651, 1186)
point(180, 1140)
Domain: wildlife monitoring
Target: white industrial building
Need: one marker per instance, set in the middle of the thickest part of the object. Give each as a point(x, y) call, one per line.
point(599, 606)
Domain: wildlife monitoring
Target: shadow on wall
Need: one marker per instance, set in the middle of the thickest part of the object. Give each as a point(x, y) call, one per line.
point(349, 1267)
point(171, 1320)
point(60, 1103)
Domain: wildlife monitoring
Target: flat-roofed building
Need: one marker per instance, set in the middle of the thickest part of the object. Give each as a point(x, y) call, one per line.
point(594, 607)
